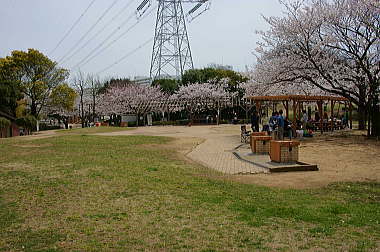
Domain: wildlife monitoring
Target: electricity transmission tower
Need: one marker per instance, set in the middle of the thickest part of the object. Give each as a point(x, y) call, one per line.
point(171, 55)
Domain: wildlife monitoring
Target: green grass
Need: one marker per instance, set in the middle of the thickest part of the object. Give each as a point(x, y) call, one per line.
point(81, 192)
point(93, 130)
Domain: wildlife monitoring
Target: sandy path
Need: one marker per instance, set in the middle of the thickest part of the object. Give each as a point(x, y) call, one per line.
point(215, 151)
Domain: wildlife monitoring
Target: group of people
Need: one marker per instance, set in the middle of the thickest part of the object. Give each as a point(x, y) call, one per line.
point(277, 125)
point(307, 122)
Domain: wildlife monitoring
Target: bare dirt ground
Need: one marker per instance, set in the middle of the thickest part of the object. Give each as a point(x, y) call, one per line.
point(341, 157)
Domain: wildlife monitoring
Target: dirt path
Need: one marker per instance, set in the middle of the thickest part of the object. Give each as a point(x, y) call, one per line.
point(340, 158)
point(215, 151)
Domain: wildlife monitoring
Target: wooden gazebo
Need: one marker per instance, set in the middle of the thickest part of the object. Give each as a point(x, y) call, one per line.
point(297, 102)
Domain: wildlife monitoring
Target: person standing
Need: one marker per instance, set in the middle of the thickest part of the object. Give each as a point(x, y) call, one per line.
point(281, 125)
point(305, 119)
point(255, 121)
point(288, 128)
point(265, 122)
point(272, 123)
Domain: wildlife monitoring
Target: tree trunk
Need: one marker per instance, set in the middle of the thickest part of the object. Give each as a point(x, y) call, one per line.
point(82, 112)
point(375, 115)
point(362, 116)
point(33, 109)
point(93, 109)
point(66, 122)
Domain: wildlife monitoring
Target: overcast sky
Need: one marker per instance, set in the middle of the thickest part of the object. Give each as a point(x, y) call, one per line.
point(223, 35)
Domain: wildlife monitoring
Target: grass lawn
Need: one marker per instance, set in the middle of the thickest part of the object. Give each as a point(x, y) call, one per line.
point(81, 192)
point(93, 130)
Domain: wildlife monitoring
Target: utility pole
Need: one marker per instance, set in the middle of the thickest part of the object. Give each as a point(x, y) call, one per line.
point(171, 48)
point(171, 55)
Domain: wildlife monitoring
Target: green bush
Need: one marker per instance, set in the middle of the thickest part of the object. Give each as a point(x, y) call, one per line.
point(4, 123)
point(28, 122)
point(224, 122)
point(132, 124)
point(164, 123)
point(44, 126)
point(245, 121)
point(183, 122)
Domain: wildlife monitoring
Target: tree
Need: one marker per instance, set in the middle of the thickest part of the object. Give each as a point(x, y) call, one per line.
point(28, 122)
point(10, 91)
point(4, 123)
point(38, 76)
point(61, 102)
point(80, 85)
point(94, 87)
point(331, 45)
point(209, 95)
point(114, 82)
point(207, 74)
point(130, 99)
point(167, 86)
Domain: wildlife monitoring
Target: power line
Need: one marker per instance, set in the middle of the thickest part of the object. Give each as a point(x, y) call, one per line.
point(100, 31)
point(72, 27)
point(104, 41)
point(91, 28)
point(126, 56)
point(88, 58)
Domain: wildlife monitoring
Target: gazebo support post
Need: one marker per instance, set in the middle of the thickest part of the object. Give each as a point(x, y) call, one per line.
point(286, 105)
point(294, 115)
point(319, 103)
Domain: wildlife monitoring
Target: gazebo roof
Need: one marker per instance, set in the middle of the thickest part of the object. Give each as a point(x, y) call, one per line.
point(302, 98)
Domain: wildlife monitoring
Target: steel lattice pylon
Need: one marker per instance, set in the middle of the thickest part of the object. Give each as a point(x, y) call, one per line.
point(171, 49)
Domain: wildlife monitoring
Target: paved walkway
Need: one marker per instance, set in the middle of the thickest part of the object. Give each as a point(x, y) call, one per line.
point(215, 152)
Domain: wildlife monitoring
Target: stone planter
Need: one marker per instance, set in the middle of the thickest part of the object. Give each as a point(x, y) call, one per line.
point(261, 144)
point(284, 151)
point(253, 134)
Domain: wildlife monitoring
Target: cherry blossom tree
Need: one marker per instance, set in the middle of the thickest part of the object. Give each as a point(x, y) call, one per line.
point(211, 95)
point(320, 45)
point(130, 99)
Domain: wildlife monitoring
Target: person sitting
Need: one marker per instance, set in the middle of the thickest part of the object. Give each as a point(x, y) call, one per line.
point(273, 122)
point(308, 133)
point(299, 133)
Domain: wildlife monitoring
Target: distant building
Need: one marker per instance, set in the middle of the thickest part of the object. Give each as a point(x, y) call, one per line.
point(219, 66)
point(12, 130)
point(142, 80)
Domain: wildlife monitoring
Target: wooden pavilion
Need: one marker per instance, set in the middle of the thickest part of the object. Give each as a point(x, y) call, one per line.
point(297, 102)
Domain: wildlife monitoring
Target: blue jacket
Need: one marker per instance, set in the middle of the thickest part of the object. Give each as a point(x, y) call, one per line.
point(281, 122)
